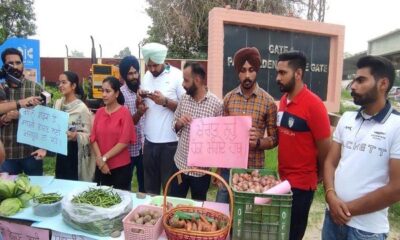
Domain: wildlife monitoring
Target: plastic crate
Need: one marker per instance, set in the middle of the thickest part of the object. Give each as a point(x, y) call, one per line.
point(268, 221)
point(135, 231)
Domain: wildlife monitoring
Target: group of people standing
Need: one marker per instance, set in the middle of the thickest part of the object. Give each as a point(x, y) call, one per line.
point(145, 124)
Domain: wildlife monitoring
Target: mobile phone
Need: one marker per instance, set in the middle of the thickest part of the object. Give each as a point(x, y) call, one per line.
point(145, 94)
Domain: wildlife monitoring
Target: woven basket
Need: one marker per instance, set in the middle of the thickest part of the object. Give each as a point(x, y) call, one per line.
point(179, 233)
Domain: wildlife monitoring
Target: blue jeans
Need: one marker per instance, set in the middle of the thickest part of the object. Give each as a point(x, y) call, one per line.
point(222, 194)
point(332, 231)
point(28, 165)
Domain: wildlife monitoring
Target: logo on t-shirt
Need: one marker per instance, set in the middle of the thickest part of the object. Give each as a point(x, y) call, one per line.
point(378, 135)
point(291, 122)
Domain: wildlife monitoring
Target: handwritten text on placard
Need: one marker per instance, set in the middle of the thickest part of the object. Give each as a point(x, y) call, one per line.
point(43, 127)
point(219, 142)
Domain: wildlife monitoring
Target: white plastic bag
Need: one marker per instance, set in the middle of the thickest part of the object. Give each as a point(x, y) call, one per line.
point(96, 220)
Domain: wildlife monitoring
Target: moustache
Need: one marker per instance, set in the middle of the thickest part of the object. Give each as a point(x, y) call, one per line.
point(353, 94)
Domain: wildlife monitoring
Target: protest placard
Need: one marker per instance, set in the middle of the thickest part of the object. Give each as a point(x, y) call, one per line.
point(219, 142)
point(43, 127)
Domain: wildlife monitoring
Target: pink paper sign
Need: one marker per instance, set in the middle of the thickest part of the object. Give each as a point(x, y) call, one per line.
point(12, 231)
point(219, 142)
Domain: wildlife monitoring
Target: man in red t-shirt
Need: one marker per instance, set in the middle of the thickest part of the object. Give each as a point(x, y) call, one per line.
point(304, 137)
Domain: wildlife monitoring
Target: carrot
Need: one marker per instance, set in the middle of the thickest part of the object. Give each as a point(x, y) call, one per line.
point(199, 225)
point(204, 219)
point(188, 226)
point(213, 226)
point(182, 224)
point(194, 226)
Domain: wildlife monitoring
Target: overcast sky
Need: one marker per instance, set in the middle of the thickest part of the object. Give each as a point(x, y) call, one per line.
point(123, 23)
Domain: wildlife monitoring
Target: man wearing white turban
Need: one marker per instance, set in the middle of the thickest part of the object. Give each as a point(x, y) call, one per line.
point(160, 91)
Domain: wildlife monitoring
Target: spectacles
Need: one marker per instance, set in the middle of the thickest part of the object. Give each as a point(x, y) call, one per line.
point(16, 63)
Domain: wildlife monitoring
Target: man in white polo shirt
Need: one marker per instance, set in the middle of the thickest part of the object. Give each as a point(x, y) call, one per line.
point(362, 169)
point(161, 89)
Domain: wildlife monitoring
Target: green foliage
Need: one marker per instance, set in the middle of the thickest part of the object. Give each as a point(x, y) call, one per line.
point(17, 19)
point(182, 25)
point(55, 93)
point(123, 53)
point(346, 95)
point(77, 54)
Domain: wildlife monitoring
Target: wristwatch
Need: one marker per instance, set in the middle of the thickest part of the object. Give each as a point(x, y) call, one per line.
point(258, 143)
point(165, 102)
point(18, 105)
point(104, 158)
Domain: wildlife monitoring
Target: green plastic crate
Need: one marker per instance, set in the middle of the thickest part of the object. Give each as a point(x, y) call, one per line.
point(252, 222)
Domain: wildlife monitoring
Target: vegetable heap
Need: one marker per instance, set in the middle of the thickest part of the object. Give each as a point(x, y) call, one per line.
point(98, 197)
point(47, 198)
point(253, 183)
point(195, 222)
point(16, 194)
point(145, 217)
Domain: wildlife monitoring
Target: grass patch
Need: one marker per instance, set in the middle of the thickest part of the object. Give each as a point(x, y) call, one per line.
point(346, 95)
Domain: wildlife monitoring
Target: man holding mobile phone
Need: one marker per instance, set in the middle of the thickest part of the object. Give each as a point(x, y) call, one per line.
point(160, 91)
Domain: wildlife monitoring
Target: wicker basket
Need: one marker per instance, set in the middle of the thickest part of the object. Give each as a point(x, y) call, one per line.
point(178, 233)
point(135, 231)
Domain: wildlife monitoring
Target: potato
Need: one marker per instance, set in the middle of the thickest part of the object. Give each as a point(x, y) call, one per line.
point(156, 215)
point(153, 221)
point(140, 221)
point(135, 217)
point(145, 212)
point(147, 218)
point(148, 223)
point(235, 178)
point(255, 173)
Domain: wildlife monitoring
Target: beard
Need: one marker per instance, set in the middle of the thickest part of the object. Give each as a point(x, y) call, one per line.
point(248, 83)
point(288, 87)
point(367, 98)
point(191, 91)
point(133, 84)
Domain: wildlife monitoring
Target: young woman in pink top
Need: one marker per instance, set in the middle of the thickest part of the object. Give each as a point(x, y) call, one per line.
point(113, 130)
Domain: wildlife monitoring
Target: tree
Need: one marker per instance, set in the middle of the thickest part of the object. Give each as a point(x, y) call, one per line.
point(316, 10)
point(77, 54)
point(17, 18)
point(182, 25)
point(123, 53)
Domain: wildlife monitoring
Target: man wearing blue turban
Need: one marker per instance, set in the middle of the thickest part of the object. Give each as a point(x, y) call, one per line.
point(129, 70)
point(160, 91)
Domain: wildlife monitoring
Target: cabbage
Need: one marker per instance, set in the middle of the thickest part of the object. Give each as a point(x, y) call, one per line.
point(10, 206)
point(25, 198)
point(6, 189)
point(35, 190)
point(23, 185)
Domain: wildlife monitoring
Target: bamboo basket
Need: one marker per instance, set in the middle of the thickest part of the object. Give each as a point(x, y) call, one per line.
point(179, 233)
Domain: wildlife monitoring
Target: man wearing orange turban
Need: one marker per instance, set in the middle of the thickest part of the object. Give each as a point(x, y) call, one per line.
point(248, 99)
